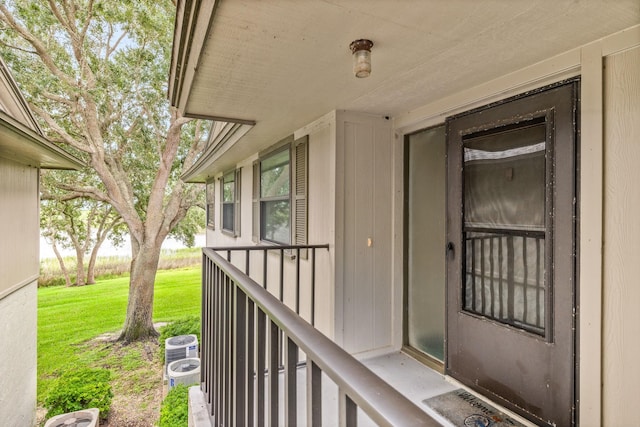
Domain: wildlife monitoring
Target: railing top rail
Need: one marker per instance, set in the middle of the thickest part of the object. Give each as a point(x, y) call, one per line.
point(266, 247)
point(382, 403)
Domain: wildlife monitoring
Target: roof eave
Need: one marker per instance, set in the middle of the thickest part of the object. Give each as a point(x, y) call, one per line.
point(209, 162)
point(192, 26)
point(22, 144)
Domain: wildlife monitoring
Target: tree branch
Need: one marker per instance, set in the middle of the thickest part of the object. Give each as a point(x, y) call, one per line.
point(41, 50)
point(55, 127)
point(32, 52)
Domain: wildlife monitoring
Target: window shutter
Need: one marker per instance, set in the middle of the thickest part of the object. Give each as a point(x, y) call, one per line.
point(300, 157)
point(236, 211)
point(221, 183)
point(255, 205)
point(210, 190)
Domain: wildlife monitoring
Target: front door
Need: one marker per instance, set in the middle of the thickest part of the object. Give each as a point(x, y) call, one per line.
point(511, 227)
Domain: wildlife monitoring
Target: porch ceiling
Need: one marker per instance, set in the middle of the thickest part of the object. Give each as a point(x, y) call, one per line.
point(284, 63)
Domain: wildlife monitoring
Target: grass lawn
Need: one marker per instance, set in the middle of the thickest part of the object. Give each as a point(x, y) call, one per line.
point(67, 317)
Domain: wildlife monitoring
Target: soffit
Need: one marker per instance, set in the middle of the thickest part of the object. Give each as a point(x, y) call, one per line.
point(285, 63)
point(22, 144)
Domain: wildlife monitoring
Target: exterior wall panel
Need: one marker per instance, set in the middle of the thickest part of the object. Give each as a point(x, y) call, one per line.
point(321, 221)
point(18, 327)
point(19, 228)
point(19, 225)
point(621, 270)
point(321, 230)
point(364, 214)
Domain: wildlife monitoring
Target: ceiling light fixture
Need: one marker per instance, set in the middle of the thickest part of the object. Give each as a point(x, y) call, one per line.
point(361, 50)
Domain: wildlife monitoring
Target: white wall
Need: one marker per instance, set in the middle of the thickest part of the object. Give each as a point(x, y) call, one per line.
point(19, 228)
point(321, 229)
point(322, 218)
point(364, 235)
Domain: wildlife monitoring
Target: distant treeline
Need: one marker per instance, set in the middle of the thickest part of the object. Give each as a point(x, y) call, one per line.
point(116, 266)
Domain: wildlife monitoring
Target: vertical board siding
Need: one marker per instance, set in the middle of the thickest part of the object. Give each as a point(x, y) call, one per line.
point(621, 293)
point(321, 221)
point(19, 265)
point(368, 237)
point(19, 224)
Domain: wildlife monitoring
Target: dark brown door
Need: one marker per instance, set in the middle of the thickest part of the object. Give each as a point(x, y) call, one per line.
point(511, 280)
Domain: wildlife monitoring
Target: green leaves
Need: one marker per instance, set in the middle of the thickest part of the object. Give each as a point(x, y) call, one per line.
point(174, 411)
point(79, 389)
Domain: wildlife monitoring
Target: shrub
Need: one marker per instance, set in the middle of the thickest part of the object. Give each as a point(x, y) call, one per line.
point(80, 389)
point(189, 325)
point(174, 411)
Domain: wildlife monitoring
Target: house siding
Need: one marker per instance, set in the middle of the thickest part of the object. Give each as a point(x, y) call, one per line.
point(321, 226)
point(364, 218)
point(621, 269)
point(18, 326)
point(19, 227)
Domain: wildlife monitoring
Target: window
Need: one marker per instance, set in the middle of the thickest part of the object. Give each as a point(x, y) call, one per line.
point(275, 211)
point(231, 202)
point(210, 195)
point(279, 194)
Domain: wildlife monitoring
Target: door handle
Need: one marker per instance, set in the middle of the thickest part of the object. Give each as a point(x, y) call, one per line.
point(451, 249)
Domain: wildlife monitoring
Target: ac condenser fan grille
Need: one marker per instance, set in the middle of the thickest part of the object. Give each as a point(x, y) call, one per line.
point(75, 422)
point(181, 340)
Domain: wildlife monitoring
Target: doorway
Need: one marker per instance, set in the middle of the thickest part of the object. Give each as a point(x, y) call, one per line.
point(511, 253)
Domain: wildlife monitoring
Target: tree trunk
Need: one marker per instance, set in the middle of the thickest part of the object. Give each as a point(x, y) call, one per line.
point(139, 321)
point(67, 279)
point(91, 269)
point(81, 278)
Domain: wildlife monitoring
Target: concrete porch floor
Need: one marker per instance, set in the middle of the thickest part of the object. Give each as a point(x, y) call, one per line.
point(413, 379)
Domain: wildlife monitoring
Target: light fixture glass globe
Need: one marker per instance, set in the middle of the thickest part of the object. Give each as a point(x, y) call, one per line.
point(362, 63)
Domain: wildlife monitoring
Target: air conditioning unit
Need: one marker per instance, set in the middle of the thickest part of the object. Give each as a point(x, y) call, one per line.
point(180, 347)
point(84, 418)
point(185, 371)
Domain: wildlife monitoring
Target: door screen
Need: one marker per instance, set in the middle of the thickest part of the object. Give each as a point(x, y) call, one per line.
point(504, 225)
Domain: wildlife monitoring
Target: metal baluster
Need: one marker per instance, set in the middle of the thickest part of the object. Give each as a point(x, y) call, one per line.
point(482, 274)
point(314, 394)
point(281, 275)
point(273, 358)
point(313, 286)
point(264, 268)
point(525, 278)
point(250, 372)
point(260, 368)
point(348, 416)
point(240, 356)
point(297, 280)
point(290, 389)
point(538, 323)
